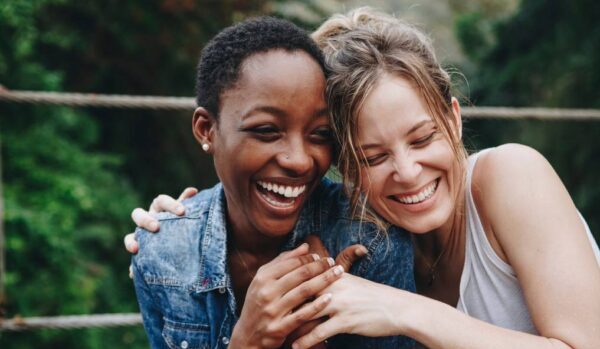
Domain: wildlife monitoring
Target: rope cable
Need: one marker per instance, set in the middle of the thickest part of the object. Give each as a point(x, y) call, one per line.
point(70, 322)
point(188, 103)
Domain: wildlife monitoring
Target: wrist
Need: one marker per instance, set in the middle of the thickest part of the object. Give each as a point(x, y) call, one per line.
point(422, 317)
point(410, 314)
point(238, 339)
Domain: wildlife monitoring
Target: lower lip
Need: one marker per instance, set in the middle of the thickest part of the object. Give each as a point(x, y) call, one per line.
point(278, 210)
point(423, 205)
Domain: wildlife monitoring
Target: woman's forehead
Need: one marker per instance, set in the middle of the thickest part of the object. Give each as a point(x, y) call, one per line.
point(278, 82)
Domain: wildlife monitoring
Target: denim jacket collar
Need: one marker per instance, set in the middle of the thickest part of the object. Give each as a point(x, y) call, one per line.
point(213, 248)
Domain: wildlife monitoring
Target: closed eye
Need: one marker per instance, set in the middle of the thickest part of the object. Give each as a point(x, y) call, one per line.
point(425, 140)
point(374, 160)
point(264, 133)
point(323, 134)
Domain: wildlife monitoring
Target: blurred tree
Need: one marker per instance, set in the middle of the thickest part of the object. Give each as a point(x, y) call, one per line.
point(63, 221)
point(67, 194)
point(546, 54)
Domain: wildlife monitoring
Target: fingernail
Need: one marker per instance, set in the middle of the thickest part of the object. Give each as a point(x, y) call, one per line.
point(361, 251)
point(327, 297)
point(303, 245)
point(180, 210)
point(154, 226)
point(338, 270)
point(295, 346)
point(315, 256)
point(330, 261)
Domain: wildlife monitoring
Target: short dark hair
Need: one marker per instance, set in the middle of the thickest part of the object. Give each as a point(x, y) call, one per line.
point(219, 65)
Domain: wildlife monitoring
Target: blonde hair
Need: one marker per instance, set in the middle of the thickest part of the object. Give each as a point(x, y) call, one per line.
point(360, 47)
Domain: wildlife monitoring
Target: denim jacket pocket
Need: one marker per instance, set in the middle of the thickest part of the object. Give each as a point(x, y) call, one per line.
point(182, 335)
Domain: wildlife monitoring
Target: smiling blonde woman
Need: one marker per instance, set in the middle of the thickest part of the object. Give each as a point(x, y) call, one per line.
point(502, 254)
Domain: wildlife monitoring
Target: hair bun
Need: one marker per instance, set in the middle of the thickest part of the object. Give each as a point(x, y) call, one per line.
point(340, 24)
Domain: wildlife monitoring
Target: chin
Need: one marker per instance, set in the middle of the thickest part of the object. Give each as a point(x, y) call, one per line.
point(277, 228)
point(420, 224)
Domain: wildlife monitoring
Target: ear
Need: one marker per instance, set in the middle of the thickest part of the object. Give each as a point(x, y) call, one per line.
point(204, 126)
point(457, 116)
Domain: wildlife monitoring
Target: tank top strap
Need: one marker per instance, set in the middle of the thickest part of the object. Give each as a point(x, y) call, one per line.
point(472, 160)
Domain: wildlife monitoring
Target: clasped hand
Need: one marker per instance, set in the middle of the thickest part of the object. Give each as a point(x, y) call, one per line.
point(280, 304)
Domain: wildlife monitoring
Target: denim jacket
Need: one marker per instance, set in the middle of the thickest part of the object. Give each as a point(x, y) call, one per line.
point(183, 284)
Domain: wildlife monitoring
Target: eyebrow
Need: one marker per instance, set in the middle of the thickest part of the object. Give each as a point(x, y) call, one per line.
point(417, 126)
point(279, 112)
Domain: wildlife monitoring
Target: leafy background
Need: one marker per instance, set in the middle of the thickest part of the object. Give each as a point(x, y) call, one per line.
point(71, 176)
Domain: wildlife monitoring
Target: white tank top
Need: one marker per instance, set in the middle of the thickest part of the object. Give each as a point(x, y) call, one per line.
point(489, 289)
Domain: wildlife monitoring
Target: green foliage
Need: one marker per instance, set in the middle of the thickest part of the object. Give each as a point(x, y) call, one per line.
point(547, 54)
point(72, 176)
point(66, 211)
point(65, 206)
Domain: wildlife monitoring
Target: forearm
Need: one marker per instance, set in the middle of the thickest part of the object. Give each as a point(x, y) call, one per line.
point(438, 325)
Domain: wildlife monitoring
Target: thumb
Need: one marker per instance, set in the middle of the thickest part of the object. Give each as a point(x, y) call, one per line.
point(350, 255)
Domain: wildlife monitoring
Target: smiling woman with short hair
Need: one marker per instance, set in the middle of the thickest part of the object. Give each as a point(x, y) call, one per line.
point(217, 277)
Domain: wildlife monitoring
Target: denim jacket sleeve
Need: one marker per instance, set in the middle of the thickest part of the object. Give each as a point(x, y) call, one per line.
point(151, 313)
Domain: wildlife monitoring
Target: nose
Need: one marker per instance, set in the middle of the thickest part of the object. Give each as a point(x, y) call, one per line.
point(295, 158)
point(406, 169)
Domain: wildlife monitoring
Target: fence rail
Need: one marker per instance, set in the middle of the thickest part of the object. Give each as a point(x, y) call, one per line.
point(188, 103)
point(70, 322)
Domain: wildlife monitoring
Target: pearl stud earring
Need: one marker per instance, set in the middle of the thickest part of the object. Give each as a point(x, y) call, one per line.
point(205, 146)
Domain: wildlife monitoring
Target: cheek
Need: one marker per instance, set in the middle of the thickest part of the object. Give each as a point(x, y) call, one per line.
point(441, 154)
point(236, 161)
point(373, 181)
point(323, 156)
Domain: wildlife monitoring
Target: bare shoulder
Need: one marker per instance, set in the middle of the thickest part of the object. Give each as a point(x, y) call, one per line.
point(516, 181)
point(509, 162)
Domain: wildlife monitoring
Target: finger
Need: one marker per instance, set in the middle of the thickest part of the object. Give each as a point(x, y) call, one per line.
point(302, 273)
point(301, 330)
point(302, 316)
point(131, 244)
point(144, 220)
point(350, 255)
point(316, 245)
point(310, 288)
point(319, 334)
point(298, 251)
point(187, 193)
point(165, 203)
point(278, 269)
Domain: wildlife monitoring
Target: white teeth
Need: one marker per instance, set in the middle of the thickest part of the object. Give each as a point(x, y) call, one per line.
point(426, 193)
point(287, 191)
point(277, 203)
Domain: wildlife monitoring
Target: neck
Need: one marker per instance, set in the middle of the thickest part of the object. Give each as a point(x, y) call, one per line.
point(247, 239)
point(445, 239)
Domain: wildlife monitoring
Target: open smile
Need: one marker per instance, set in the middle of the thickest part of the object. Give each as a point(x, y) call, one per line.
point(281, 197)
point(419, 197)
